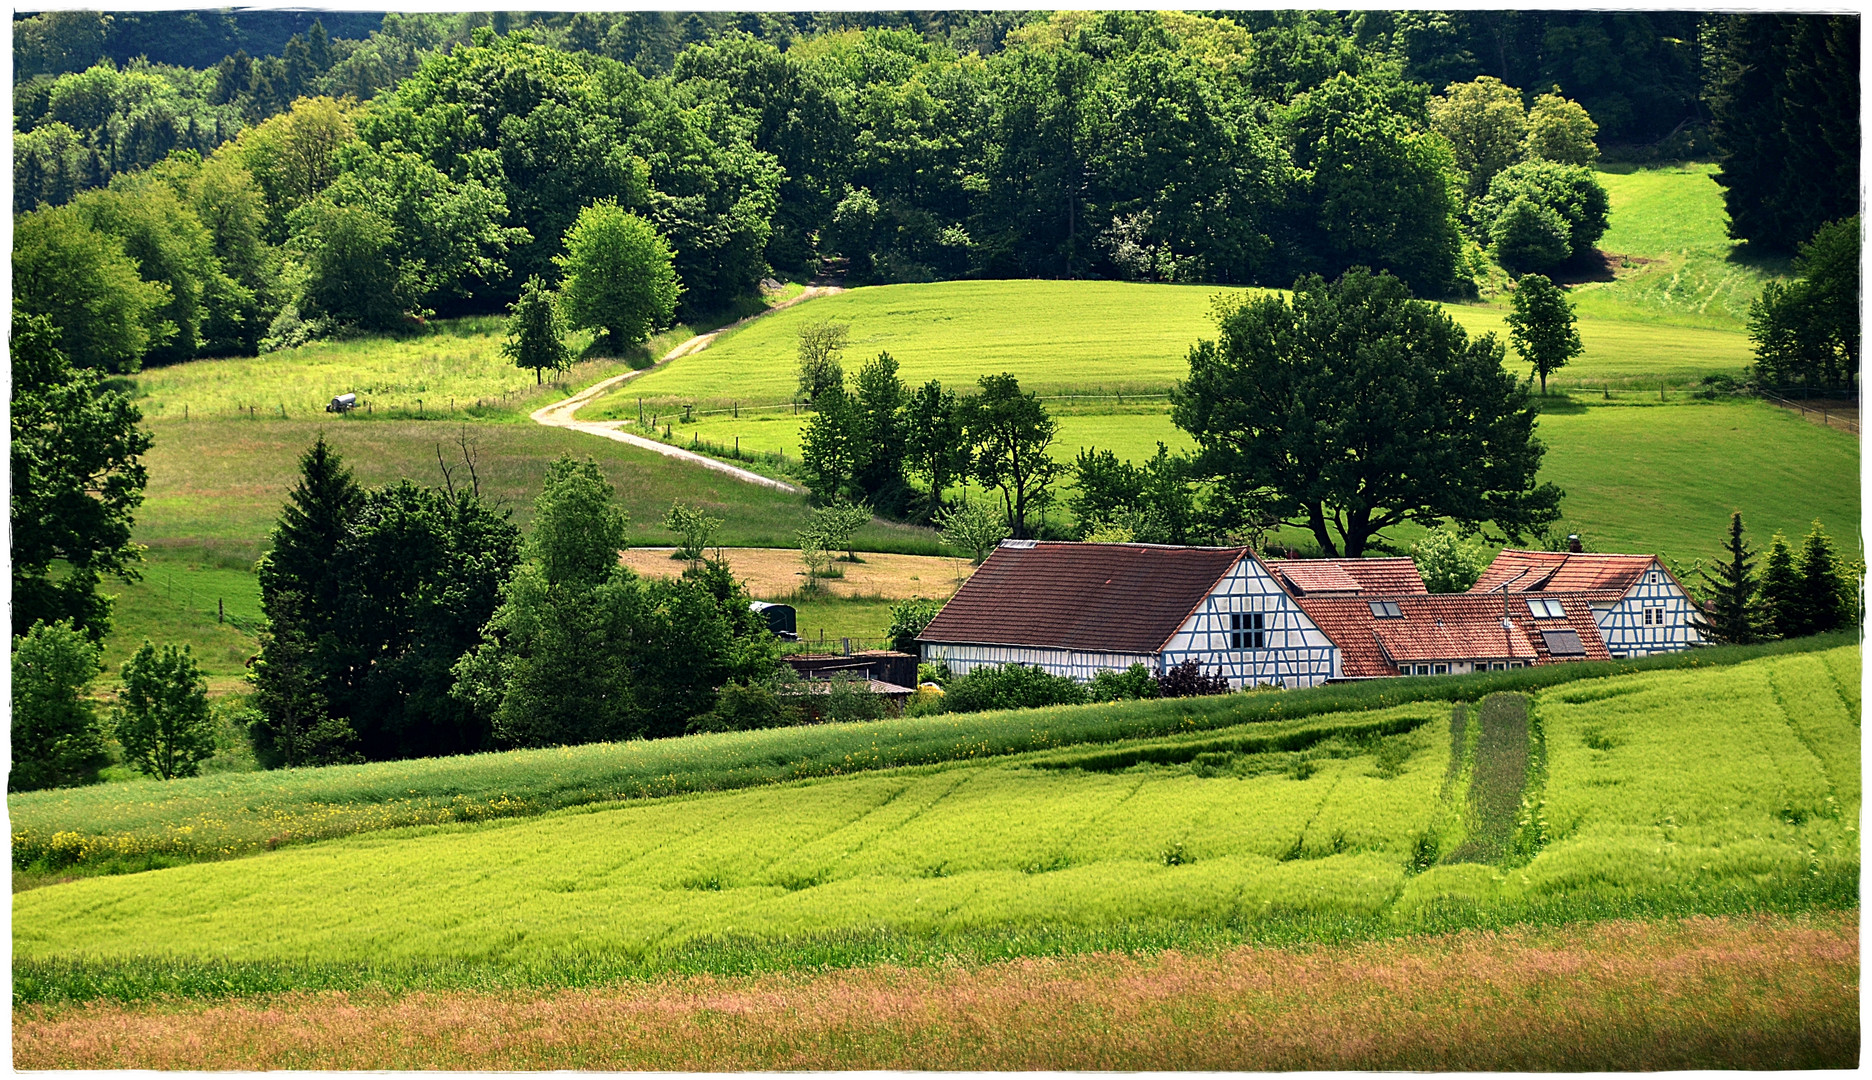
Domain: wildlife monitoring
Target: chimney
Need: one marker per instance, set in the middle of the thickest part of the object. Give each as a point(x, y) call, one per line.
point(1573, 544)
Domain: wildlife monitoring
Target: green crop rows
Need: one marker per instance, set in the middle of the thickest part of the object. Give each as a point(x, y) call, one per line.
point(1687, 790)
point(115, 827)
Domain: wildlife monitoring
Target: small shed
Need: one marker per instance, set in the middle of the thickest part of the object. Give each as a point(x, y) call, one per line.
point(781, 619)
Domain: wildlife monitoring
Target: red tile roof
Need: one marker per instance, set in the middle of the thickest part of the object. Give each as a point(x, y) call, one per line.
point(1562, 571)
point(1460, 627)
point(1127, 598)
point(1382, 577)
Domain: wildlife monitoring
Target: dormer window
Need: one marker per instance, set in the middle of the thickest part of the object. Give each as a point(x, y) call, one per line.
point(1385, 609)
point(1247, 630)
point(1546, 609)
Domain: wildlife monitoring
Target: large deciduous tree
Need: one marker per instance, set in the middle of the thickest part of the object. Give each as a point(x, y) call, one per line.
point(102, 314)
point(1567, 201)
point(1010, 433)
point(161, 718)
point(1541, 326)
point(1354, 408)
point(77, 478)
point(536, 332)
point(1383, 187)
point(619, 275)
point(1806, 332)
point(57, 740)
point(1486, 125)
point(934, 447)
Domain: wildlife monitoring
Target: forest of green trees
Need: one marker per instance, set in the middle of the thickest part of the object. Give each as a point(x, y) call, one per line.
point(434, 165)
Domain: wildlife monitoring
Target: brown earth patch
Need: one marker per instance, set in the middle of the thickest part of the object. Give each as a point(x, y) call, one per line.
point(1752, 993)
point(777, 572)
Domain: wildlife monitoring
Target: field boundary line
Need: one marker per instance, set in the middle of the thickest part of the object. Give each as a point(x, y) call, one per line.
point(563, 413)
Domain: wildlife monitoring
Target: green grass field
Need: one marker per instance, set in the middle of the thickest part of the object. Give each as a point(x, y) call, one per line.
point(1081, 338)
point(1640, 474)
point(103, 829)
point(1704, 790)
point(1685, 270)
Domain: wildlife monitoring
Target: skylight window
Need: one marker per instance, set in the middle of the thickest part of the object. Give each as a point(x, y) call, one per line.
point(1385, 609)
point(1546, 609)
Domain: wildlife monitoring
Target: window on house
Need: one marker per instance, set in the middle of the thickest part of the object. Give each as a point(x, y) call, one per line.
point(1247, 630)
point(1385, 609)
point(1546, 609)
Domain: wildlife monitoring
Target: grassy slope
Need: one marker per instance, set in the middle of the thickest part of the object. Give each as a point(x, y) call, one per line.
point(1687, 272)
point(1716, 790)
point(1076, 337)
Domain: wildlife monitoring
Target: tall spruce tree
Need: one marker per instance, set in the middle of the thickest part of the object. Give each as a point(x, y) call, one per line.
point(1781, 612)
point(299, 583)
point(1730, 616)
point(1819, 588)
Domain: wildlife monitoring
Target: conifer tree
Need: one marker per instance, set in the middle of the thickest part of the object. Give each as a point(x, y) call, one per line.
point(1730, 616)
point(1781, 612)
point(1819, 588)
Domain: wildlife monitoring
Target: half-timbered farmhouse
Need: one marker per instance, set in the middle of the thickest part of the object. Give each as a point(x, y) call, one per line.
point(1078, 609)
point(1639, 607)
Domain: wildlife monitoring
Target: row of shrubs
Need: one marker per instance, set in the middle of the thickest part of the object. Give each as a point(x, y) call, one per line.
point(787, 700)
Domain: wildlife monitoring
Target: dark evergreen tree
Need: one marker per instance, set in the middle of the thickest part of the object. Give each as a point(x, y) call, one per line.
point(1782, 613)
point(1784, 115)
point(1729, 615)
point(1819, 592)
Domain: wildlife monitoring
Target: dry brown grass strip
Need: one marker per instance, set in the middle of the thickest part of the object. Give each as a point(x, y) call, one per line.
point(1764, 992)
point(777, 572)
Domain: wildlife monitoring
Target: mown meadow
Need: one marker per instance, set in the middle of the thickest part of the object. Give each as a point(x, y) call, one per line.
point(1677, 791)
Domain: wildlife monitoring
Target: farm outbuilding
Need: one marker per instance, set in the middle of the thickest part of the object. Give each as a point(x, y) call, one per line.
point(1638, 605)
point(1078, 609)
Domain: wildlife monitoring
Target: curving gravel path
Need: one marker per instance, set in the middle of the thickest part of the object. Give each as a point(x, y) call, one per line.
point(563, 414)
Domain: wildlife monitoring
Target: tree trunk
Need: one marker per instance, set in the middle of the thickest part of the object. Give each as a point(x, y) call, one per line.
point(1316, 521)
